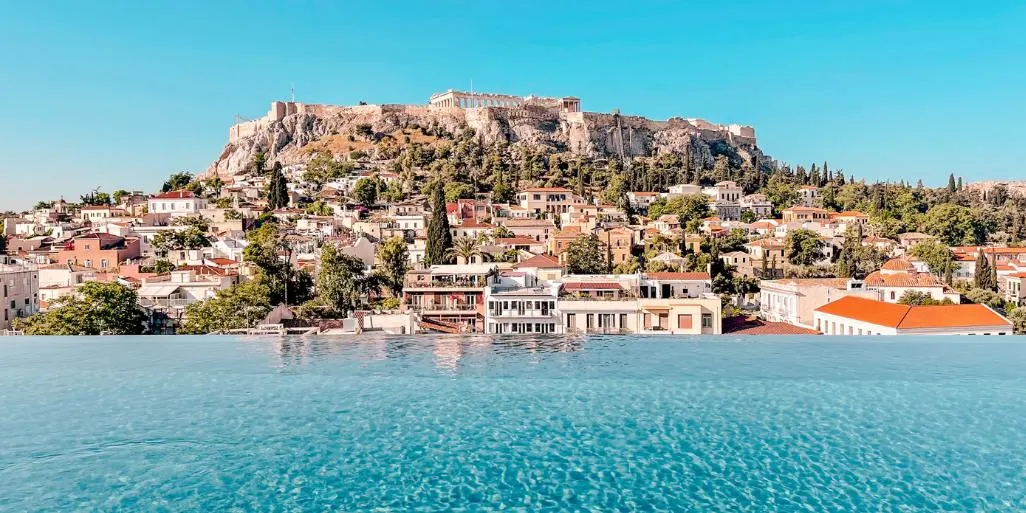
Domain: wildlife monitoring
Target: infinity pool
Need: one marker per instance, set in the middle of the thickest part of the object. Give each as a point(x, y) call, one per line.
point(480, 424)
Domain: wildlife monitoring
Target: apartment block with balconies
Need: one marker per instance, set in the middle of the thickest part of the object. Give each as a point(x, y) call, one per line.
point(453, 294)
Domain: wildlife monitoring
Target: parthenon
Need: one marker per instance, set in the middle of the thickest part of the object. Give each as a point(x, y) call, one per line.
point(465, 100)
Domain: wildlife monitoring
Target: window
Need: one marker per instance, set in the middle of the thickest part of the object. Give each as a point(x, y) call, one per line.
point(103, 264)
point(623, 320)
point(684, 321)
point(707, 320)
point(590, 321)
point(571, 320)
point(552, 327)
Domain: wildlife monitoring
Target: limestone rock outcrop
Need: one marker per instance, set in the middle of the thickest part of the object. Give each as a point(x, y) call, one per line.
point(285, 135)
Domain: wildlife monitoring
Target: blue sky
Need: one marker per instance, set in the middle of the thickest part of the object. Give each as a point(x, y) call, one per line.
point(119, 94)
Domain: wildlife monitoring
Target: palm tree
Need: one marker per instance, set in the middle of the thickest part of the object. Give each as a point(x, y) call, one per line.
point(463, 250)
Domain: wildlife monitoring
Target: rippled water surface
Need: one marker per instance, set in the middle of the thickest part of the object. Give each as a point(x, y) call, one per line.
point(479, 424)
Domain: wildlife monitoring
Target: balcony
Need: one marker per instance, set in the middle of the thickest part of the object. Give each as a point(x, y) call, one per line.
point(533, 314)
point(447, 282)
point(442, 307)
point(147, 302)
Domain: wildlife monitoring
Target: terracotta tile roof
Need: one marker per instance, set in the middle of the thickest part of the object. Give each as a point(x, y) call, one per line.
point(645, 193)
point(540, 262)
point(771, 242)
point(852, 213)
point(878, 279)
point(516, 241)
point(837, 283)
point(913, 317)
point(867, 310)
point(951, 316)
point(753, 326)
point(898, 264)
point(678, 276)
point(546, 189)
point(474, 223)
point(175, 195)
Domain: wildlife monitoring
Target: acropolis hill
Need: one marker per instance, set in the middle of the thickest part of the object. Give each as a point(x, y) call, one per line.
point(290, 131)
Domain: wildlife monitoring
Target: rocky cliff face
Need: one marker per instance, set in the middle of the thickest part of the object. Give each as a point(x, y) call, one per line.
point(288, 139)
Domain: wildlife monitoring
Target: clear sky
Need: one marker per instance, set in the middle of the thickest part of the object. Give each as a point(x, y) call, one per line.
point(119, 94)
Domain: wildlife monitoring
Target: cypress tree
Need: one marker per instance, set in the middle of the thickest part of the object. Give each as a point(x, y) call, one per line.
point(277, 190)
point(983, 274)
point(960, 183)
point(951, 183)
point(439, 238)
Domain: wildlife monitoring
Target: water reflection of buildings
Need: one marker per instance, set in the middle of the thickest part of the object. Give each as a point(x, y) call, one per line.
point(448, 353)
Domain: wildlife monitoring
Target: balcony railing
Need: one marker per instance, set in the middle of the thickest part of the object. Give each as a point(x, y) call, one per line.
point(522, 313)
point(444, 283)
point(442, 306)
point(164, 302)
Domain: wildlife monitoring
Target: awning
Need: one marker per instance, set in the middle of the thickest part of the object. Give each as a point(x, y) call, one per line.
point(157, 290)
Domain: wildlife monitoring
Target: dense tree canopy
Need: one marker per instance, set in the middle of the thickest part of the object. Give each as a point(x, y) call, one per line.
point(97, 308)
point(584, 256)
point(239, 307)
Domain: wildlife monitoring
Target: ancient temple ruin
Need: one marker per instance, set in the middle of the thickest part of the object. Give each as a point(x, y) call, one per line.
point(472, 100)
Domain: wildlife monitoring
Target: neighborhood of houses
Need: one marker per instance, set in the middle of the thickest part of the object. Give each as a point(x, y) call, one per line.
point(517, 282)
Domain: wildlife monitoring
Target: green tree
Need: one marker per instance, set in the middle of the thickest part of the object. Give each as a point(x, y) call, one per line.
point(630, 266)
point(259, 161)
point(803, 247)
point(915, 297)
point(1018, 318)
point(393, 263)
point(955, 225)
point(584, 256)
point(464, 250)
point(984, 276)
point(951, 183)
point(239, 307)
point(937, 256)
point(96, 198)
point(985, 297)
point(320, 208)
point(176, 182)
point(286, 283)
point(160, 266)
point(277, 190)
point(365, 191)
point(501, 232)
point(341, 282)
point(96, 308)
point(119, 195)
point(439, 236)
point(457, 190)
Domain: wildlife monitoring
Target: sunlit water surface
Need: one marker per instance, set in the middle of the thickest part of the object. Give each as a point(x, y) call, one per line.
point(481, 424)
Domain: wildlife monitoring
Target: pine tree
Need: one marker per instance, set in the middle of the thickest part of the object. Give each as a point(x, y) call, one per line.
point(439, 238)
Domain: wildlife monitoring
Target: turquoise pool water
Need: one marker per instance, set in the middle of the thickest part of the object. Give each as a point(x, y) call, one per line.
point(479, 424)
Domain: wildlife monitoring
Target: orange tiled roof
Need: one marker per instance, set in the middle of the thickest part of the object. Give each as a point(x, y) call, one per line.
point(913, 317)
point(516, 241)
point(898, 264)
point(540, 262)
point(878, 279)
point(867, 310)
point(546, 189)
point(951, 316)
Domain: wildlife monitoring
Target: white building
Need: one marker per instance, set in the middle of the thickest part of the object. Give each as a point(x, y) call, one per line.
point(176, 203)
point(522, 309)
point(757, 204)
